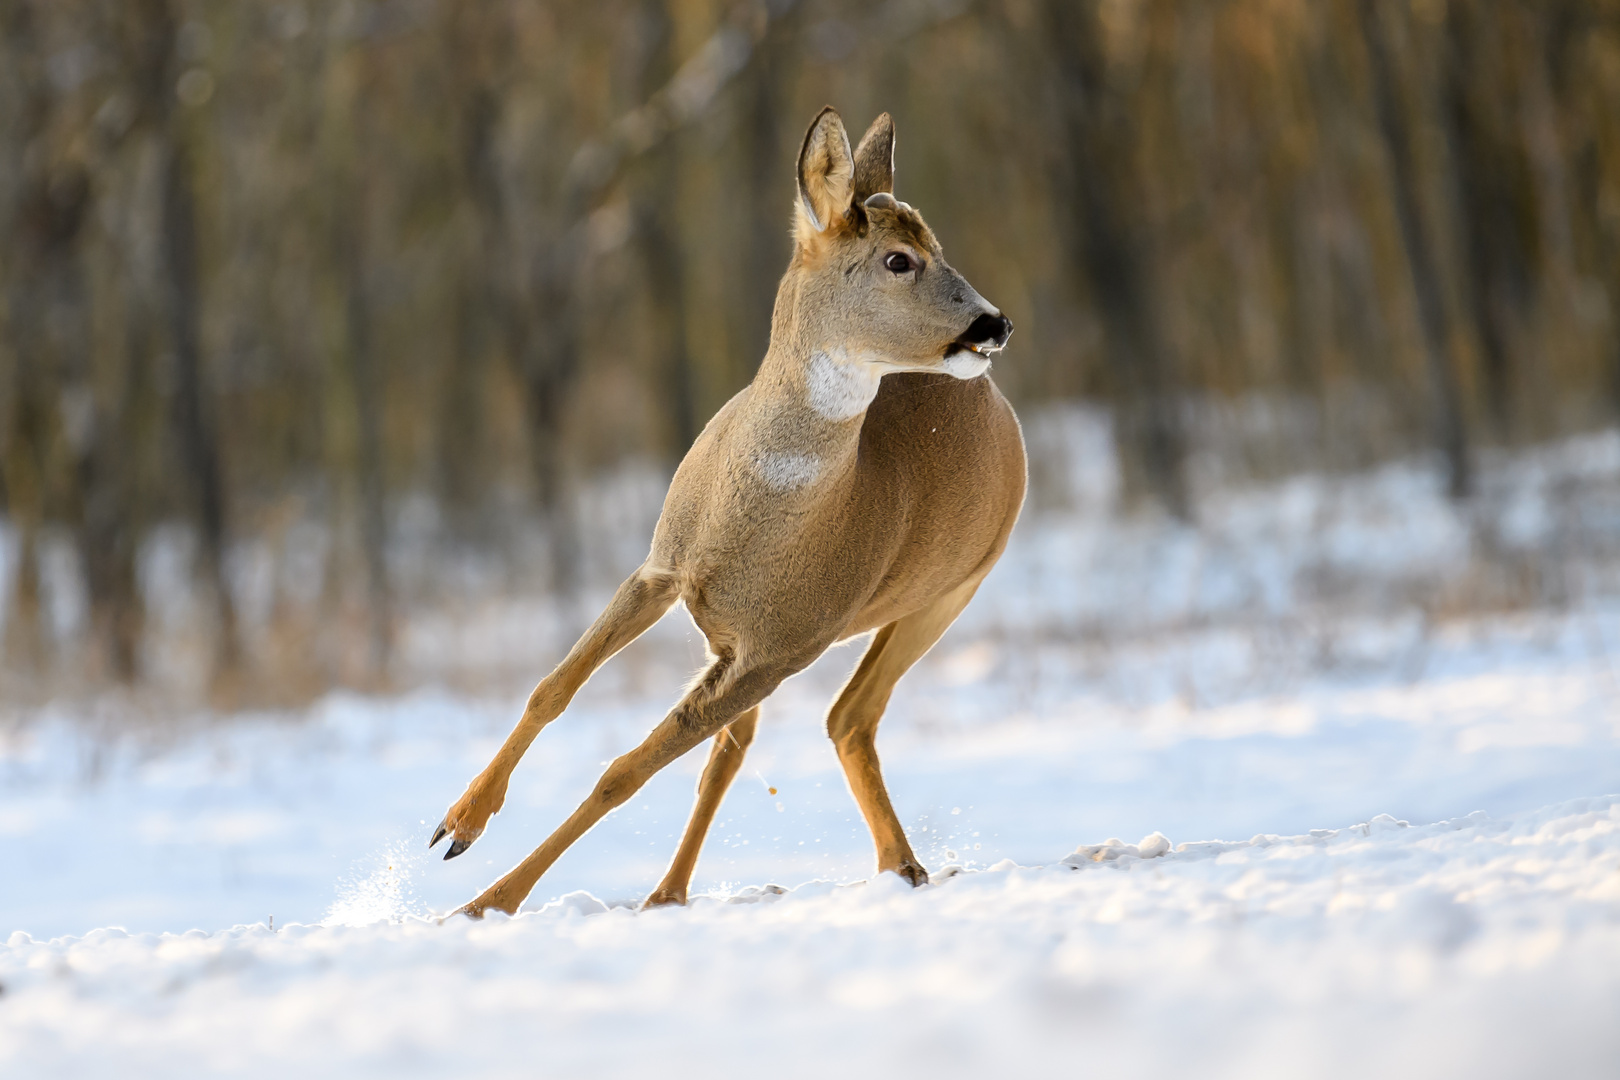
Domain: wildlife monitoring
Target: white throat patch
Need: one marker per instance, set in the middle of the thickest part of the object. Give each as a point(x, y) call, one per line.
point(840, 385)
point(966, 365)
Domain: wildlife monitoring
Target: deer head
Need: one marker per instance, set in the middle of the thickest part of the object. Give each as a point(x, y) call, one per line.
point(870, 289)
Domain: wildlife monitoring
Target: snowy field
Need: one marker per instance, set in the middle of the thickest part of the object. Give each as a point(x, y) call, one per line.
point(1361, 836)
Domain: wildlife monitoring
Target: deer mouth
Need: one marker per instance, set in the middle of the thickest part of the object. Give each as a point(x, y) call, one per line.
point(986, 349)
point(987, 336)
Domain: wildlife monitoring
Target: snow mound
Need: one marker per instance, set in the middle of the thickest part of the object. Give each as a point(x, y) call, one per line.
point(1476, 947)
point(1113, 849)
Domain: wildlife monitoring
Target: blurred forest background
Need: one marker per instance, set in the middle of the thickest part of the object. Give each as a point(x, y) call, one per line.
point(317, 311)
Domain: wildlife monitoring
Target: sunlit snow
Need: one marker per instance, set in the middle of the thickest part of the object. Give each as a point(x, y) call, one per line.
point(1183, 819)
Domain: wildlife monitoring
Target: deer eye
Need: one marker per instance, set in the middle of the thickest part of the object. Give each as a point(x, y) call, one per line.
point(898, 262)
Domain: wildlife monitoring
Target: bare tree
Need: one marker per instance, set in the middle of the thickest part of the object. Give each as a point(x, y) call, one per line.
point(156, 68)
point(1493, 257)
point(350, 200)
point(1450, 434)
point(1108, 240)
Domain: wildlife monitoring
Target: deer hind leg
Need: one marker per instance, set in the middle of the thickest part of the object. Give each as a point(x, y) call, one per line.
point(724, 760)
point(639, 602)
point(722, 695)
point(853, 721)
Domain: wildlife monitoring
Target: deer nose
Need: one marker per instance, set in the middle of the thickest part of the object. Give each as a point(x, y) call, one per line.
point(988, 329)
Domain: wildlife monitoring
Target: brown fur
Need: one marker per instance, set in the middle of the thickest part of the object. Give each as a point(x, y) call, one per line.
point(800, 518)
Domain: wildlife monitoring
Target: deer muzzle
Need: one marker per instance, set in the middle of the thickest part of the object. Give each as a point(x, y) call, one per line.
point(985, 335)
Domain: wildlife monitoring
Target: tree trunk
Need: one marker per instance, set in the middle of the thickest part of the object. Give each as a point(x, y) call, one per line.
point(462, 439)
point(52, 398)
point(548, 362)
point(655, 197)
point(1450, 435)
point(1113, 253)
point(367, 389)
point(1493, 255)
point(199, 446)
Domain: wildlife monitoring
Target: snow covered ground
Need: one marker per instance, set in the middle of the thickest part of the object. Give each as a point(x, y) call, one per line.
point(1393, 843)
point(1470, 948)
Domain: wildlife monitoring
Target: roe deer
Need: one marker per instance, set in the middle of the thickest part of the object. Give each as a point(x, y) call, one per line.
point(867, 479)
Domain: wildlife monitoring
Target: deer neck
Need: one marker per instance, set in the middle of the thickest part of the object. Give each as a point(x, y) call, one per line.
point(807, 405)
point(803, 424)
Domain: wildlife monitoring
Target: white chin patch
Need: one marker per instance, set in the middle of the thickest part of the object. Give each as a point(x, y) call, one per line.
point(787, 472)
point(840, 385)
point(966, 365)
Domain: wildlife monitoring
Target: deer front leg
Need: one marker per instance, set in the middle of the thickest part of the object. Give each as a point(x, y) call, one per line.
point(639, 602)
point(718, 699)
point(724, 761)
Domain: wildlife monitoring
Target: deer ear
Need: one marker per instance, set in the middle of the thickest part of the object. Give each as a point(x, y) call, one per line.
point(874, 159)
point(826, 175)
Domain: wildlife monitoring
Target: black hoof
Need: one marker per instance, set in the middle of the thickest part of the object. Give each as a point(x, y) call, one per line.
point(456, 848)
point(438, 834)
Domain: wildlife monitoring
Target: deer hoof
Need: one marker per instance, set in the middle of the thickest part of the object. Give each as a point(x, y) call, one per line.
point(913, 873)
point(664, 898)
point(465, 820)
point(495, 898)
